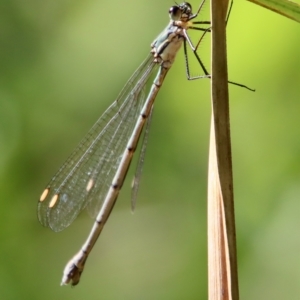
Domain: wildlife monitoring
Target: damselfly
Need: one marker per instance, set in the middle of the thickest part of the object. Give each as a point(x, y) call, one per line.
point(94, 173)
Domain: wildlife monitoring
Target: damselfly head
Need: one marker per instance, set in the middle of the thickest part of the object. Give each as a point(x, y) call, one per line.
point(180, 12)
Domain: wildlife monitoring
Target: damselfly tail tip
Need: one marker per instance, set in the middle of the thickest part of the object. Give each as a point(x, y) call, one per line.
point(71, 275)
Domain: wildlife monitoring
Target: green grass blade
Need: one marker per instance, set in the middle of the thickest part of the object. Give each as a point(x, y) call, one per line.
point(286, 8)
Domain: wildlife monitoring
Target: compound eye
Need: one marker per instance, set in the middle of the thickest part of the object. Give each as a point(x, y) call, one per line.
point(188, 7)
point(175, 13)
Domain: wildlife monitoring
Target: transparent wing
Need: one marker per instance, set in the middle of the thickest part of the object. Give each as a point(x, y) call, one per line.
point(139, 167)
point(84, 179)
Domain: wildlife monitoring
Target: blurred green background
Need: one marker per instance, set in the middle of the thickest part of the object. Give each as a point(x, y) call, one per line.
point(62, 63)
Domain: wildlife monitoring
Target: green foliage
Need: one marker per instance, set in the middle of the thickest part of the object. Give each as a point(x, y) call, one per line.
point(286, 8)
